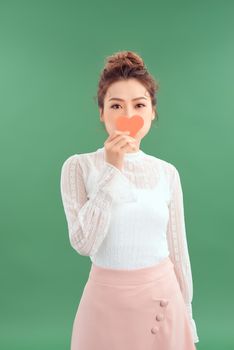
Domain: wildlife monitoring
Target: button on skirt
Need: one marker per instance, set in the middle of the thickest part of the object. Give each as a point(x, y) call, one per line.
point(140, 309)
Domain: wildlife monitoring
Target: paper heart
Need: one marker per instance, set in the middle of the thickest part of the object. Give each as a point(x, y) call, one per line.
point(133, 124)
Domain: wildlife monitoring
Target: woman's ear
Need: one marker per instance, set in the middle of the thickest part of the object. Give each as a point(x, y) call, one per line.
point(154, 113)
point(101, 114)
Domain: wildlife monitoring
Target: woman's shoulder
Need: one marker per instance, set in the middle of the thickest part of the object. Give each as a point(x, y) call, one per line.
point(168, 166)
point(71, 159)
point(80, 155)
point(165, 164)
point(82, 158)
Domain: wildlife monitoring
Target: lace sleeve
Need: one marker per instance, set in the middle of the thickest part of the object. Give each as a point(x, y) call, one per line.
point(88, 218)
point(178, 247)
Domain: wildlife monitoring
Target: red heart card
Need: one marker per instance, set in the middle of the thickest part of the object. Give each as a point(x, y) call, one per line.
point(133, 124)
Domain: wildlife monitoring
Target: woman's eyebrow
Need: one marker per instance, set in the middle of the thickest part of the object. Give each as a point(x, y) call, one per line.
point(120, 99)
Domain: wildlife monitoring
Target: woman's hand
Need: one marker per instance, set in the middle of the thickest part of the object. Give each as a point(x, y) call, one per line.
point(116, 145)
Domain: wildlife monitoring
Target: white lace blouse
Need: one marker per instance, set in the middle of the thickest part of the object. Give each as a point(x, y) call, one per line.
point(127, 219)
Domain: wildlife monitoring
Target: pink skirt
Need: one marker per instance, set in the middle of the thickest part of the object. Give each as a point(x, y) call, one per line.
point(140, 309)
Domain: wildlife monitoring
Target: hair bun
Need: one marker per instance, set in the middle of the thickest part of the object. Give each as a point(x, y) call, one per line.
point(121, 58)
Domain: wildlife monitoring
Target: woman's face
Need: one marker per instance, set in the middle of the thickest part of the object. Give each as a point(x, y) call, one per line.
point(127, 98)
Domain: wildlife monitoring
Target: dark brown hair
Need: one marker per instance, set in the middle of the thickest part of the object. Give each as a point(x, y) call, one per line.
point(124, 65)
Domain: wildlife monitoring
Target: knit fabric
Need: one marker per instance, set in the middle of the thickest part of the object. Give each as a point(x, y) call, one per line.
point(130, 218)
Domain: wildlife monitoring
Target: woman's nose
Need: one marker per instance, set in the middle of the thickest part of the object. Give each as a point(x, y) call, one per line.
point(129, 113)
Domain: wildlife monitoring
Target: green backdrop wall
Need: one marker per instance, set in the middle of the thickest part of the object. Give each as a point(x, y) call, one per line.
point(51, 54)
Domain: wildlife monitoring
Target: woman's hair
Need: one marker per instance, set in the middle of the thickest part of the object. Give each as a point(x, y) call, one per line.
point(124, 65)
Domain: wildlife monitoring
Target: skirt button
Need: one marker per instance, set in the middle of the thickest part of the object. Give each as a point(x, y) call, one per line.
point(154, 330)
point(163, 302)
point(159, 317)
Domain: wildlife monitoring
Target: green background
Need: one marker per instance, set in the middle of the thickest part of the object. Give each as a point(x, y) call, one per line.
point(51, 55)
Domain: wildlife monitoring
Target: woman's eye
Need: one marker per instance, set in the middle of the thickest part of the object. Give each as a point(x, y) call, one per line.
point(119, 105)
point(114, 105)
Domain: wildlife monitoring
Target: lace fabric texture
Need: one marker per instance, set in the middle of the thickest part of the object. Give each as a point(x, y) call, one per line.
point(88, 203)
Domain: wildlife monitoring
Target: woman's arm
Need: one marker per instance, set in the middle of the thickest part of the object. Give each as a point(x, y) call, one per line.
point(88, 218)
point(178, 247)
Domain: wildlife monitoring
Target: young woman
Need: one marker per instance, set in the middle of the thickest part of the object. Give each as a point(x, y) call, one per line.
point(124, 209)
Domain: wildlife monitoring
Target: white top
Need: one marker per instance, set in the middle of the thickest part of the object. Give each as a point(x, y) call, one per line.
point(127, 219)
